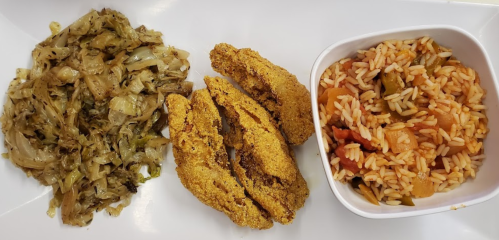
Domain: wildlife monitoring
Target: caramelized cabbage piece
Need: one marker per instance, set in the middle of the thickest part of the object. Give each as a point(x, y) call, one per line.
point(89, 114)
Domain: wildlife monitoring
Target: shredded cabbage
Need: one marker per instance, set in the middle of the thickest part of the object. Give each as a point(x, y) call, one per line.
point(89, 114)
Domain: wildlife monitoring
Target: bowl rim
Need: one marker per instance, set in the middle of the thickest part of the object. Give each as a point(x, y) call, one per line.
point(325, 163)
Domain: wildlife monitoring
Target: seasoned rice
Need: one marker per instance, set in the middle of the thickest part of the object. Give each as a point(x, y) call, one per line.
point(432, 126)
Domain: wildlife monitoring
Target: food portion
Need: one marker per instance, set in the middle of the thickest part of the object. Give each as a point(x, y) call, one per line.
point(264, 164)
point(272, 86)
point(263, 182)
point(401, 120)
point(88, 115)
point(202, 161)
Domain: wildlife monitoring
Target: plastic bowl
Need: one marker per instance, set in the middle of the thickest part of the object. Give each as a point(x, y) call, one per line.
point(471, 53)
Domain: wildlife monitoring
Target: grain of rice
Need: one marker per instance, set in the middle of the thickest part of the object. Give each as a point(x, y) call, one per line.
point(346, 115)
point(424, 40)
point(428, 144)
point(352, 80)
point(326, 145)
point(364, 132)
point(391, 105)
point(455, 144)
point(352, 88)
point(406, 91)
point(402, 139)
point(438, 176)
point(415, 120)
point(367, 95)
point(456, 162)
point(356, 154)
point(478, 114)
point(431, 60)
point(464, 76)
point(361, 73)
point(430, 122)
point(352, 145)
point(335, 161)
point(396, 126)
point(338, 105)
point(462, 160)
point(409, 125)
point(373, 73)
point(409, 112)
point(339, 80)
point(341, 174)
point(398, 108)
point(436, 180)
point(360, 64)
point(440, 149)
point(323, 84)
point(473, 173)
point(344, 60)
point(477, 157)
point(455, 175)
point(445, 54)
point(393, 202)
point(414, 93)
point(393, 96)
point(424, 166)
point(427, 131)
point(328, 81)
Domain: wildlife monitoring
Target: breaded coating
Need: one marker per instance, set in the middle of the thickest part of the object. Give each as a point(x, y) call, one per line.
point(267, 143)
point(202, 160)
point(279, 199)
point(248, 119)
point(272, 86)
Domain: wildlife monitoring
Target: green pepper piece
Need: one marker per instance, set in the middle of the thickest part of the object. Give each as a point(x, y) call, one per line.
point(368, 194)
point(438, 62)
point(137, 142)
point(390, 82)
point(407, 201)
point(430, 69)
point(435, 46)
point(356, 181)
point(417, 60)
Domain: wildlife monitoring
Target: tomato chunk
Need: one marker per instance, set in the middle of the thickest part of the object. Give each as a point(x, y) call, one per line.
point(348, 134)
point(455, 149)
point(341, 133)
point(344, 161)
point(439, 164)
point(347, 65)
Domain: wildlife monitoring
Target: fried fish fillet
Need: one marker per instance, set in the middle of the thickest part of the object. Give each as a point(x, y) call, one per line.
point(260, 145)
point(272, 86)
point(267, 143)
point(202, 160)
point(279, 199)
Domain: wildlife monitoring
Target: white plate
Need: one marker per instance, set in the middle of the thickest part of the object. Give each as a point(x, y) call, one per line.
point(290, 34)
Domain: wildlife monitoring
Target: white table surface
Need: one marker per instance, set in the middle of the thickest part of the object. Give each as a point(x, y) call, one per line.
point(494, 2)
